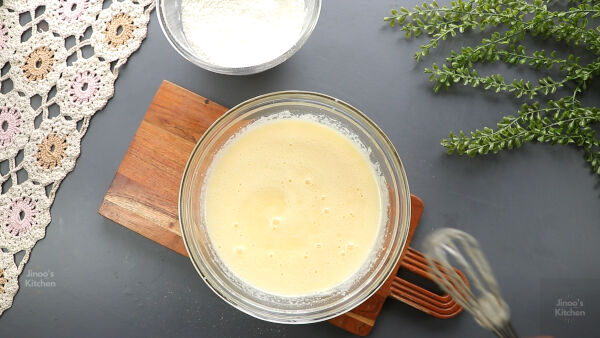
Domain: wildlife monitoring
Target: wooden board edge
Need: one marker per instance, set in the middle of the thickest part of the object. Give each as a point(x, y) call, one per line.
point(114, 212)
point(144, 227)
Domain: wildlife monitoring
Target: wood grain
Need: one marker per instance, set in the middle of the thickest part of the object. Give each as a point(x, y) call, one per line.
point(144, 193)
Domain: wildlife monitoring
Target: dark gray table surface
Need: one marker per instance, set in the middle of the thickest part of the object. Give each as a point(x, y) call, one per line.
point(535, 211)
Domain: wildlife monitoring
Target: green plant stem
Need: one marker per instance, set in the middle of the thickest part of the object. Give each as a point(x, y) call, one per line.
point(563, 121)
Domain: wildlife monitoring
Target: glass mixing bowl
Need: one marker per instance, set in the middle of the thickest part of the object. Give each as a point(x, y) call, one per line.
point(169, 17)
point(301, 309)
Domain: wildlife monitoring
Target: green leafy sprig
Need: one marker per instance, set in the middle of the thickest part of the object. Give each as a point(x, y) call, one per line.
point(560, 121)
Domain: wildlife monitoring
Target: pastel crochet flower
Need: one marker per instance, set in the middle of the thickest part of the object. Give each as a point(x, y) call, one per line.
point(85, 87)
point(73, 16)
point(10, 121)
point(38, 63)
point(24, 216)
point(52, 150)
point(71, 10)
point(21, 216)
point(119, 30)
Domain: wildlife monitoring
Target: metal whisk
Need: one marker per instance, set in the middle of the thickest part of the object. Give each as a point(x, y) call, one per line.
point(482, 298)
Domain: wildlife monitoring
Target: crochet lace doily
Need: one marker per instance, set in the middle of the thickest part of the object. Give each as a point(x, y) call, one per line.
point(59, 60)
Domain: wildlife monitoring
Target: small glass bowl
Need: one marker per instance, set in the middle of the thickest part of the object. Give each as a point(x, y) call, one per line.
point(301, 309)
point(169, 17)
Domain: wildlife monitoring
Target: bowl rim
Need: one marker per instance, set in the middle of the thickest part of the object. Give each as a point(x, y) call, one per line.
point(246, 70)
point(405, 218)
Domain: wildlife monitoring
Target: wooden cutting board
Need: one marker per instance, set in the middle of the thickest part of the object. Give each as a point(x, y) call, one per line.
point(144, 193)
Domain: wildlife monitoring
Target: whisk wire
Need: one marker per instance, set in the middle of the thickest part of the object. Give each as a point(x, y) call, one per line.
point(487, 306)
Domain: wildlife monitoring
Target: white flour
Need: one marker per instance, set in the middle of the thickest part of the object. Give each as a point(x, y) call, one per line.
point(241, 33)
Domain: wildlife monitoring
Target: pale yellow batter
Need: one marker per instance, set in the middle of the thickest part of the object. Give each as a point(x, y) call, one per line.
point(293, 206)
